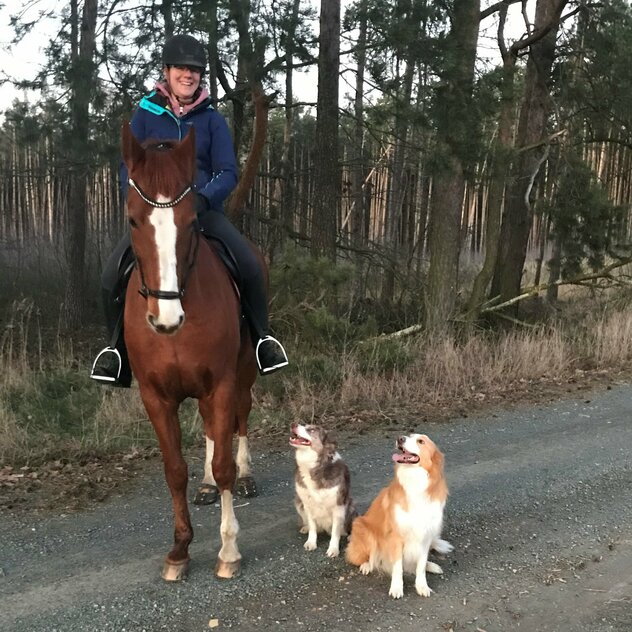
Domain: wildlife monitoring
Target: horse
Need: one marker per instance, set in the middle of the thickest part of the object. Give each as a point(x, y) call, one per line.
point(185, 337)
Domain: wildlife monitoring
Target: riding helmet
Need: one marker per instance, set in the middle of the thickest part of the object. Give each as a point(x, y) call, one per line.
point(184, 50)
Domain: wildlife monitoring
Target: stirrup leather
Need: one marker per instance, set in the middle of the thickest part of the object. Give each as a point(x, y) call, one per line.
point(107, 378)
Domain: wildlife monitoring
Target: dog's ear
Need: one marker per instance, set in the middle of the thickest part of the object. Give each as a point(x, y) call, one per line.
point(437, 460)
point(329, 441)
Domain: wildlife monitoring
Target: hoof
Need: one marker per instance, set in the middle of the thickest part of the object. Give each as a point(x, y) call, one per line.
point(227, 570)
point(206, 495)
point(175, 571)
point(246, 487)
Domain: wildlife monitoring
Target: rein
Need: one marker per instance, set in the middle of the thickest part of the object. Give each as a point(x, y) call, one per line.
point(145, 291)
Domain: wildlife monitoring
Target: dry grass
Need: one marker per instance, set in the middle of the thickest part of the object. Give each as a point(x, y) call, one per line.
point(444, 370)
point(439, 372)
point(52, 409)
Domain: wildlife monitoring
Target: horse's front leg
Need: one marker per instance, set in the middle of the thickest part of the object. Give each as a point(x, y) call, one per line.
point(219, 410)
point(164, 418)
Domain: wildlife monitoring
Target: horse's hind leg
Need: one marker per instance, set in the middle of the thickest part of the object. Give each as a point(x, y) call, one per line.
point(164, 418)
point(245, 486)
point(207, 492)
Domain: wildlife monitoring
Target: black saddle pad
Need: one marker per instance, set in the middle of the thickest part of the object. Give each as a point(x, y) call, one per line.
point(128, 262)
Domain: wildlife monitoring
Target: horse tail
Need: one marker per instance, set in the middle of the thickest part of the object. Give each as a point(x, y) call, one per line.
point(239, 196)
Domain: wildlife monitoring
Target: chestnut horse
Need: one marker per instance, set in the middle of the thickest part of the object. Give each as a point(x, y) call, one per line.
point(185, 336)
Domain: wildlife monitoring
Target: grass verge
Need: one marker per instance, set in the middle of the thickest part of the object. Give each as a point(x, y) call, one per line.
point(51, 410)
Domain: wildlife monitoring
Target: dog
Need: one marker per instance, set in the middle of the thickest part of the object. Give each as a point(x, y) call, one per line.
point(404, 522)
point(322, 483)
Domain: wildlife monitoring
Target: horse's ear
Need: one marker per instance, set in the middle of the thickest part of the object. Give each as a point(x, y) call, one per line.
point(186, 152)
point(132, 150)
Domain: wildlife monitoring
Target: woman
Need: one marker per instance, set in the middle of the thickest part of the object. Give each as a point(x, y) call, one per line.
point(175, 105)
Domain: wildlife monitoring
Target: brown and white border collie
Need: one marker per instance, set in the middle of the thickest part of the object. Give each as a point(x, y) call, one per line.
point(404, 522)
point(323, 498)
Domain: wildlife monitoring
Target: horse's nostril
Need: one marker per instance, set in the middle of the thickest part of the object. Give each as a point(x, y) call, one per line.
point(161, 328)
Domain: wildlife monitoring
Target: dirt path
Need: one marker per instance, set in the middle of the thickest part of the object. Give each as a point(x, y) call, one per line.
point(540, 513)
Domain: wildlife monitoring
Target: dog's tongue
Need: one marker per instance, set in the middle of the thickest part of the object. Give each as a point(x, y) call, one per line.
point(405, 457)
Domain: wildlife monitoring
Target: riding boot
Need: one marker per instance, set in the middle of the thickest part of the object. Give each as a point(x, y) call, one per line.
point(111, 366)
point(270, 354)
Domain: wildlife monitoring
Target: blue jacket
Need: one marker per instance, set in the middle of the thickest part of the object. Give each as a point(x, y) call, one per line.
point(216, 164)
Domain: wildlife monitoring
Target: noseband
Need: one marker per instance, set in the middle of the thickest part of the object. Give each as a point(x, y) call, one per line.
point(193, 250)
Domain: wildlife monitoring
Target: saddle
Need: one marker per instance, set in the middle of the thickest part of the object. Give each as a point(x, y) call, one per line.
point(127, 263)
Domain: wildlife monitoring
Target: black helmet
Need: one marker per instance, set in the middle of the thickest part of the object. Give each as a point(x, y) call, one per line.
point(183, 50)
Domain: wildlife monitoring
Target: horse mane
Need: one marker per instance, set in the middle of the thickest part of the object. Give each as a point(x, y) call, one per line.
point(162, 172)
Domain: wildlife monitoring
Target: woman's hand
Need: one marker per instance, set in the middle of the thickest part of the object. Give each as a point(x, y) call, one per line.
point(201, 204)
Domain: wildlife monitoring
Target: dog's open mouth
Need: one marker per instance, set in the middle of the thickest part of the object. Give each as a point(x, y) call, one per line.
point(295, 440)
point(299, 441)
point(405, 457)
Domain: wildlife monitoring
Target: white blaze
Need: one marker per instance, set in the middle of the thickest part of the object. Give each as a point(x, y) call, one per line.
point(170, 312)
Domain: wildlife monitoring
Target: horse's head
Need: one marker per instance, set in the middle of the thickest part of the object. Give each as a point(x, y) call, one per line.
point(162, 218)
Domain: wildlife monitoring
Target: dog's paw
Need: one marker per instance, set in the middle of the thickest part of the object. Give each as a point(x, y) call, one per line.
point(397, 590)
point(333, 551)
point(366, 568)
point(423, 590)
point(310, 545)
point(433, 568)
point(442, 546)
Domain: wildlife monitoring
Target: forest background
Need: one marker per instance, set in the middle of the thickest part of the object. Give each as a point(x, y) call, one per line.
point(442, 233)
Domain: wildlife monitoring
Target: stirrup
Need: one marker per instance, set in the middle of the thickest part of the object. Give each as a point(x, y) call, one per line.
point(279, 364)
point(107, 378)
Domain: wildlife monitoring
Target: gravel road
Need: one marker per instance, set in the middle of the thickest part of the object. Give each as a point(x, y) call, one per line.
point(540, 513)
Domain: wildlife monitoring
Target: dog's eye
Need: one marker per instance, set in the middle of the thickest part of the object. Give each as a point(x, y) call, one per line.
point(420, 441)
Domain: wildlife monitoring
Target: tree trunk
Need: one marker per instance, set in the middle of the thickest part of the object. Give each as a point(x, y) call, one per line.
point(327, 170)
point(240, 13)
point(210, 12)
point(397, 185)
point(166, 9)
point(500, 166)
point(453, 135)
point(356, 157)
point(82, 82)
point(283, 198)
point(531, 131)
point(248, 75)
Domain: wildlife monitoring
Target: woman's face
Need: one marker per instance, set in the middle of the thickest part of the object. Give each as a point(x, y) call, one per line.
point(183, 81)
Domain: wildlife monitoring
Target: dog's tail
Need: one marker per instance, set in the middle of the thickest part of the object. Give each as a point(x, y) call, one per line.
point(442, 547)
point(351, 514)
point(360, 543)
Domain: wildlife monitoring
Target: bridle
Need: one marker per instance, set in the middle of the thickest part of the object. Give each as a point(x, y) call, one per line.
point(191, 257)
point(151, 202)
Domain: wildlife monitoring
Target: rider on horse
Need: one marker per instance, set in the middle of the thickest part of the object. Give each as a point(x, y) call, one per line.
point(167, 113)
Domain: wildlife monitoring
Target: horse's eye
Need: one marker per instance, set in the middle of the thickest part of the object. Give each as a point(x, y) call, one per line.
point(132, 222)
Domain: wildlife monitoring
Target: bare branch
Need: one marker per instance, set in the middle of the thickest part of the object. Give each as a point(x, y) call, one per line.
point(502, 46)
point(496, 7)
point(525, 17)
point(606, 273)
